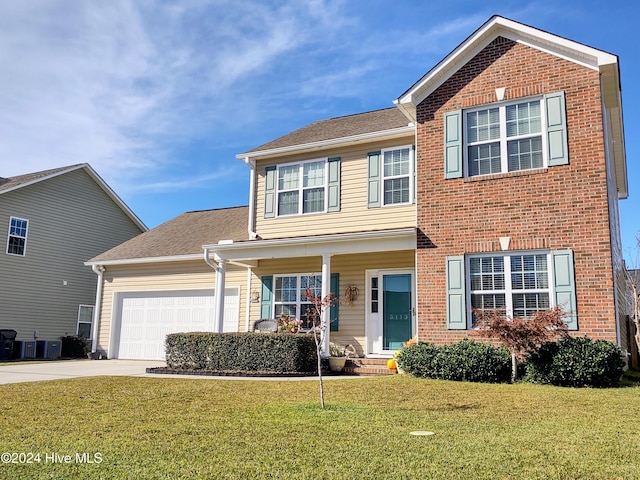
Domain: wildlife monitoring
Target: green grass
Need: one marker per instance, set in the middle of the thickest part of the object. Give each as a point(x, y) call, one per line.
point(232, 429)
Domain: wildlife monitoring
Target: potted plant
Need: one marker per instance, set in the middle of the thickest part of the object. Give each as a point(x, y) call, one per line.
point(338, 356)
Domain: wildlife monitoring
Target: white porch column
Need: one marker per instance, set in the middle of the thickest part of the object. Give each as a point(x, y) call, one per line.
point(220, 274)
point(326, 289)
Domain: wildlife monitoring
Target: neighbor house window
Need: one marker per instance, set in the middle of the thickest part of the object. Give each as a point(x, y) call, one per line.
point(505, 138)
point(302, 188)
point(517, 283)
point(17, 239)
point(85, 321)
point(288, 297)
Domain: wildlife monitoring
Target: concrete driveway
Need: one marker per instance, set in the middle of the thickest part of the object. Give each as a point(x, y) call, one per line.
point(35, 372)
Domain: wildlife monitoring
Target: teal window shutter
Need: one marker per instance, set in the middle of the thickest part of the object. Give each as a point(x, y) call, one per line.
point(456, 302)
point(266, 297)
point(374, 179)
point(564, 286)
point(453, 144)
point(556, 129)
point(333, 311)
point(334, 185)
point(414, 166)
point(270, 192)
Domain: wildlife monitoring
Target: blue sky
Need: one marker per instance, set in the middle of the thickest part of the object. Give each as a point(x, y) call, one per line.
point(159, 96)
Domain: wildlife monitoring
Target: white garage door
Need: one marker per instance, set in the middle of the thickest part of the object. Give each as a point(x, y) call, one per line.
point(147, 317)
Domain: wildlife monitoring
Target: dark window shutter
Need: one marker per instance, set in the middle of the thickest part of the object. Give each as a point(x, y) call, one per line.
point(333, 311)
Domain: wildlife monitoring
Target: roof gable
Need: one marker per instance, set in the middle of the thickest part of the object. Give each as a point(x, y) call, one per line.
point(21, 181)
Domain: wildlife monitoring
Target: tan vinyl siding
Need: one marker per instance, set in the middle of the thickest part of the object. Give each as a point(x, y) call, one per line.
point(352, 270)
point(354, 215)
point(71, 219)
point(187, 275)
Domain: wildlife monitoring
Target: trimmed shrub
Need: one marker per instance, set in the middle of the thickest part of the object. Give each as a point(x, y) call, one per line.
point(575, 362)
point(241, 352)
point(74, 346)
point(466, 360)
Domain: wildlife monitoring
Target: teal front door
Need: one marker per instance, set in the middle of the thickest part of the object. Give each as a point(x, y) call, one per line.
point(396, 305)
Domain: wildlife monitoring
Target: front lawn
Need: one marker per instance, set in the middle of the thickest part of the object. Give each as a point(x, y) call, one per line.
point(138, 428)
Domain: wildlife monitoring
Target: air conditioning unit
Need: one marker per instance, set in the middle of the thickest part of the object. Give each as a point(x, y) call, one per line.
point(25, 349)
point(49, 349)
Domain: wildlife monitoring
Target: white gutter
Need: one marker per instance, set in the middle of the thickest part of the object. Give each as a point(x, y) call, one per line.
point(98, 270)
point(252, 198)
point(333, 142)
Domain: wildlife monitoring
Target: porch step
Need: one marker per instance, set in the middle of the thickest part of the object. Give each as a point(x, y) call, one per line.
point(367, 367)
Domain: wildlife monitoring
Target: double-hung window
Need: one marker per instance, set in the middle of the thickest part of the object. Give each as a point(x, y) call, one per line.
point(524, 134)
point(391, 177)
point(518, 283)
point(288, 296)
point(17, 238)
point(302, 188)
point(85, 321)
point(505, 138)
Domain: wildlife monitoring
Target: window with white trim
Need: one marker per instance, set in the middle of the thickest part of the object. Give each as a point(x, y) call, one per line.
point(505, 138)
point(17, 236)
point(518, 283)
point(301, 187)
point(85, 321)
point(288, 297)
point(397, 173)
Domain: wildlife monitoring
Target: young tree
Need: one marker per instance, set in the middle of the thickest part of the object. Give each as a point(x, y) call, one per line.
point(520, 335)
point(633, 285)
point(315, 316)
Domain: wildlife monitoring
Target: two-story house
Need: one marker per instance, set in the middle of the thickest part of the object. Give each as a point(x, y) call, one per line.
point(53, 221)
point(492, 183)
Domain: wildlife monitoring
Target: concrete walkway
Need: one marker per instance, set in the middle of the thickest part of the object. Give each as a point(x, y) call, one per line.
point(56, 370)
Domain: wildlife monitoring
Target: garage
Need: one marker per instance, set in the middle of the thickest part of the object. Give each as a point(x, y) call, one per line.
point(145, 318)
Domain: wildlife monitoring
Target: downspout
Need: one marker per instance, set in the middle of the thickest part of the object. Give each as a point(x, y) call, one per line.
point(98, 270)
point(252, 197)
point(248, 300)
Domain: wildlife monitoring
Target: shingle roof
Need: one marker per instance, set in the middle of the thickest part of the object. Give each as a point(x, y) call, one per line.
point(13, 182)
point(340, 127)
point(183, 235)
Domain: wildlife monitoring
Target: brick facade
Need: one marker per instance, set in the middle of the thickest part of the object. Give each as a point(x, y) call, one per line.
point(559, 207)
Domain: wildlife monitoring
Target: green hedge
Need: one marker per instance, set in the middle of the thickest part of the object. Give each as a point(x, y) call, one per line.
point(575, 362)
point(244, 352)
point(466, 360)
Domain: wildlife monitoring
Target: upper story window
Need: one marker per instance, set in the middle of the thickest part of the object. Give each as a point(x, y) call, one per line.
point(391, 177)
point(505, 138)
point(17, 238)
point(499, 138)
point(396, 174)
point(301, 188)
point(311, 186)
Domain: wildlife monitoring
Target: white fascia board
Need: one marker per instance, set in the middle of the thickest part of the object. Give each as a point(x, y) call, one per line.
point(324, 144)
point(498, 26)
point(350, 243)
point(132, 261)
